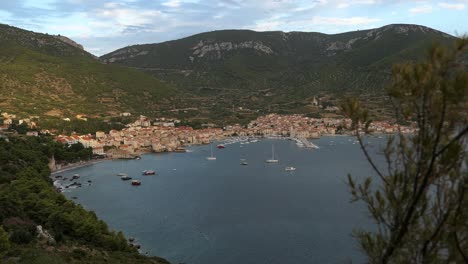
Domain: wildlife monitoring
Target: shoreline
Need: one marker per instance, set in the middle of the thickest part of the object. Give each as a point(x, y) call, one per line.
point(76, 166)
point(92, 162)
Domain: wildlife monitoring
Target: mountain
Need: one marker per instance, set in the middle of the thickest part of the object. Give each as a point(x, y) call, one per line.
point(46, 75)
point(282, 71)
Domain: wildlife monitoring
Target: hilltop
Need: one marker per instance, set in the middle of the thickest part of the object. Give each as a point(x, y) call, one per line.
point(46, 75)
point(229, 71)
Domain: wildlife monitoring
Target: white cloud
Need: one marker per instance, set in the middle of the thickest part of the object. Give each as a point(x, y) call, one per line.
point(421, 9)
point(346, 4)
point(129, 16)
point(456, 6)
point(266, 26)
point(172, 3)
point(342, 21)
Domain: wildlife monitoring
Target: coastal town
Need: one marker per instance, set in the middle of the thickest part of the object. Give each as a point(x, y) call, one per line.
point(166, 135)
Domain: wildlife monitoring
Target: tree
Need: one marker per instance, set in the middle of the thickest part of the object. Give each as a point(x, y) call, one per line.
point(419, 202)
point(4, 242)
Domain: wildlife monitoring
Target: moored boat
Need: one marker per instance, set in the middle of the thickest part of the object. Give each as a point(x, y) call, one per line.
point(272, 160)
point(221, 146)
point(180, 149)
point(290, 169)
point(125, 178)
point(149, 172)
point(211, 157)
point(136, 182)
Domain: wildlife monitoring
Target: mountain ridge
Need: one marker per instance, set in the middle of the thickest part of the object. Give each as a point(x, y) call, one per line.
point(47, 75)
point(282, 71)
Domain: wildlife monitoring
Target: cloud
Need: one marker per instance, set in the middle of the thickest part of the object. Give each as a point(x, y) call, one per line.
point(105, 25)
point(456, 6)
point(343, 21)
point(172, 3)
point(346, 4)
point(421, 9)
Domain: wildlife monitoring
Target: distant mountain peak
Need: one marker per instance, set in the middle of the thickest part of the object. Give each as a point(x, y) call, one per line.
point(69, 42)
point(244, 67)
point(51, 44)
point(408, 28)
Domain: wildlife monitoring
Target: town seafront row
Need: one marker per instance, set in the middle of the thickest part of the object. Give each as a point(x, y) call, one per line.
point(145, 136)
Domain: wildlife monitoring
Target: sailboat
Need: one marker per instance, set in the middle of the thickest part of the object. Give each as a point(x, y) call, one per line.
point(272, 160)
point(211, 157)
point(122, 174)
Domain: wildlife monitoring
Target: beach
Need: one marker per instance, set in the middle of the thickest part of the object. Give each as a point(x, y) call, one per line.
point(76, 165)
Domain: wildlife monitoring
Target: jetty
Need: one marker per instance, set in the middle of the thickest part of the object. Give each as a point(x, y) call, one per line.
point(306, 143)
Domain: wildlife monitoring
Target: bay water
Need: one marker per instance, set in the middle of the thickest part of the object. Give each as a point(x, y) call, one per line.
point(198, 211)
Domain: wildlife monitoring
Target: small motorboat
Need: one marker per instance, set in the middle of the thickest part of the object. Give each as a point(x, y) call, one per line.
point(125, 178)
point(180, 149)
point(221, 146)
point(121, 174)
point(290, 169)
point(148, 172)
point(244, 163)
point(136, 182)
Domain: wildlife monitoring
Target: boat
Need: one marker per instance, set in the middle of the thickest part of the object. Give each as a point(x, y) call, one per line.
point(244, 163)
point(211, 157)
point(180, 149)
point(290, 169)
point(136, 182)
point(272, 160)
point(125, 178)
point(221, 146)
point(149, 172)
point(74, 177)
point(138, 158)
point(121, 174)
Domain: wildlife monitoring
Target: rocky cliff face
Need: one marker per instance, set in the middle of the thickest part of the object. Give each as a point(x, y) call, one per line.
point(204, 48)
point(69, 42)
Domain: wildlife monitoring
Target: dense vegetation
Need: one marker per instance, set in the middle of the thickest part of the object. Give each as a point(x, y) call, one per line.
point(28, 199)
point(285, 74)
point(41, 75)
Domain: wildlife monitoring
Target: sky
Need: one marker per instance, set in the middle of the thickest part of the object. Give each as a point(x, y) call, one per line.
point(102, 26)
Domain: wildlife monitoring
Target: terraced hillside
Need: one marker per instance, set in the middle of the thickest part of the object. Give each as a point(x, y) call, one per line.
point(49, 75)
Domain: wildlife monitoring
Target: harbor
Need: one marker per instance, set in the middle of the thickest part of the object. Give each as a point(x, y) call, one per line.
point(192, 202)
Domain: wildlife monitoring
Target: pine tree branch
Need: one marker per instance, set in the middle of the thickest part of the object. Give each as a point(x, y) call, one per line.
point(395, 240)
point(369, 159)
point(459, 248)
point(456, 138)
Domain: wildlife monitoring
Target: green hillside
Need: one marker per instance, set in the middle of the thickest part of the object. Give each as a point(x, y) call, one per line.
point(68, 233)
point(42, 75)
point(223, 70)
